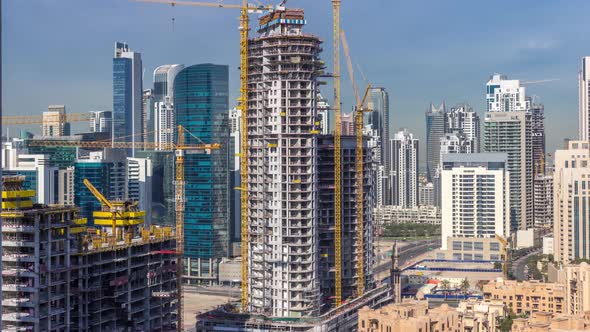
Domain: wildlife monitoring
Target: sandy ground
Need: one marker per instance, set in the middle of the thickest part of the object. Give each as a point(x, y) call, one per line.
point(194, 303)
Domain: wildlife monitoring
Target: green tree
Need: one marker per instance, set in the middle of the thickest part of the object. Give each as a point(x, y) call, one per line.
point(465, 285)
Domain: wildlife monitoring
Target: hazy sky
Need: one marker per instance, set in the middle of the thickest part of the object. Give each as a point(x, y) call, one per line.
point(60, 51)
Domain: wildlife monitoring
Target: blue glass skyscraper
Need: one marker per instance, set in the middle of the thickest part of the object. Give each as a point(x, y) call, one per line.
point(127, 95)
point(201, 107)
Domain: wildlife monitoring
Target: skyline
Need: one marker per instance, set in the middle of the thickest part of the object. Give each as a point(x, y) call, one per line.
point(539, 41)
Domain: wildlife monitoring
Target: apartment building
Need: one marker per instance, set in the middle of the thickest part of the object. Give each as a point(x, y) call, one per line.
point(392, 214)
point(527, 296)
point(576, 279)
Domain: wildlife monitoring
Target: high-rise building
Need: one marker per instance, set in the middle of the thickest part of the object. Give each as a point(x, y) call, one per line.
point(436, 127)
point(147, 116)
point(235, 116)
point(127, 95)
point(283, 173)
point(101, 121)
point(511, 133)
point(349, 219)
point(324, 114)
point(55, 122)
point(455, 143)
point(463, 120)
point(538, 132)
point(377, 127)
point(404, 173)
point(163, 196)
point(426, 194)
point(571, 220)
point(348, 123)
point(164, 125)
point(584, 99)
point(139, 184)
point(543, 200)
point(504, 95)
point(201, 107)
point(65, 186)
point(476, 200)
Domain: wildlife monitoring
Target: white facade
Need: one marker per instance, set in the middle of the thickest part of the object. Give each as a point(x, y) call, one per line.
point(404, 173)
point(504, 95)
point(139, 184)
point(426, 194)
point(282, 158)
point(65, 186)
point(463, 120)
point(164, 124)
point(323, 114)
point(584, 99)
point(101, 121)
point(475, 203)
point(548, 245)
point(571, 199)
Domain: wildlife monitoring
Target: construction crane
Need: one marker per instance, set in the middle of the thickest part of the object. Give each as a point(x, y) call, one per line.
point(245, 9)
point(99, 196)
point(8, 120)
point(359, 112)
point(180, 147)
point(337, 155)
point(504, 243)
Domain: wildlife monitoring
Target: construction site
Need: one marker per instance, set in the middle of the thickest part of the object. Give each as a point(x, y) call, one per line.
point(60, 276)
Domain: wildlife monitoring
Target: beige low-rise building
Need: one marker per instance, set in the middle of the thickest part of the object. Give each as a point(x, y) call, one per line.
point(576, 279)
point(409, 316)
point(549, 322)
point(481, 316)
point(527, 296)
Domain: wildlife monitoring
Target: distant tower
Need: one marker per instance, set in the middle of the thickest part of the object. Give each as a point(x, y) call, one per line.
point(396, 283)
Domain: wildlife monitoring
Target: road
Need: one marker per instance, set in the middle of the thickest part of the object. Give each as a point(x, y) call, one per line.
point(408, 253)
point(519, 265)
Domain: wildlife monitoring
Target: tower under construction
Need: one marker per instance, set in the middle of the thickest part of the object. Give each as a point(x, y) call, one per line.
point(282, 176)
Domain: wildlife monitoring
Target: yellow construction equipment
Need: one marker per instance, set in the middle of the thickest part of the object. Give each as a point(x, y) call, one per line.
point(337, 156)
point(245, 10)
point(504, 243)
point(179, 148)
point(359, 112)
point(8, 120)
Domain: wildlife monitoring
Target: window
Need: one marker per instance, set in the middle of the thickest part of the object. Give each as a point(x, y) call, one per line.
point(467, 257)
point(494, 246)
point(468, 246)
point(478, 246)
point(456, 245)
point(478, 257)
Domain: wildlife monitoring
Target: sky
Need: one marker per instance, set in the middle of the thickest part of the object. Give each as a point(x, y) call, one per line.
point(421, 51)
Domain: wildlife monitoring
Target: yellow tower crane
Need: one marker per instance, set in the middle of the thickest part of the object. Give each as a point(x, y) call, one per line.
point(504, 243)
point(179, 148)
point(359, 112)
point(337, 155)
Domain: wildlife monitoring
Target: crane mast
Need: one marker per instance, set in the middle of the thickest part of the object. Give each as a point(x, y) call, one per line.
point(337, 157)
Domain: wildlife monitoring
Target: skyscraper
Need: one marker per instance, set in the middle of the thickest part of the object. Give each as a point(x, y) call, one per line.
point(511, 132)
point(436, 127)
point(504, 95)
point(571, 218)
point(348, 124)
point(164, 124)
point(584, 99)
point(139, 185)
point(378, 120)
point(475, 204)
point(404, 174)
point(54, 121)
point(543, 200)
point(538, 132)
point(127, 95)
point(235, 116)
point(201, 107)
point(147, 115)
point(101, 121)
point(283, 173)
point(463, 120)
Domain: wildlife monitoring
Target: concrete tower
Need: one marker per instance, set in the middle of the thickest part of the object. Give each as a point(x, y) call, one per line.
point(404, 175)
point(282, 159)
point(584, 100)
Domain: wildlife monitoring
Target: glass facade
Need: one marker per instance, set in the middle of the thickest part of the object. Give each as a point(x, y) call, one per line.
point(201, 107)
point(59, 156)
point(122, 97)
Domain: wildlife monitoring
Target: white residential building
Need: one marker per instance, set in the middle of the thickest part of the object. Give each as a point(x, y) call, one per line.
point(426, 194)
point(391, 214)
point(404, 174)
point(65, 186)
point(504, 95)
point(571, 218)
point(139, 184)
point(476, 200)
point(584, 100)
point(163, 94)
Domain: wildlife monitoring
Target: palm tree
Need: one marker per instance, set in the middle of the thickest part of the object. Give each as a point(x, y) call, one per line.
point(465, 285)
point(445, 284)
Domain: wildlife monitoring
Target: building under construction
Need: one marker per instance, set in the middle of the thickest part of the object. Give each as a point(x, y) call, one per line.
point(60, 276)
point(283, 253)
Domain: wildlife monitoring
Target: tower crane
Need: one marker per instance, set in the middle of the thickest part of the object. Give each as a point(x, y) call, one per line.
point(359, 110)
point(179, 185)
point(504, 243)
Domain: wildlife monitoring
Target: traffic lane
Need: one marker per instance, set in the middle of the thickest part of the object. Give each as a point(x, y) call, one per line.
point(407, 255)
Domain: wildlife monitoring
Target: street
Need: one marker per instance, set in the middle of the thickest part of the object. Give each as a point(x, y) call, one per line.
point(408, 253)
point(519, 265)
